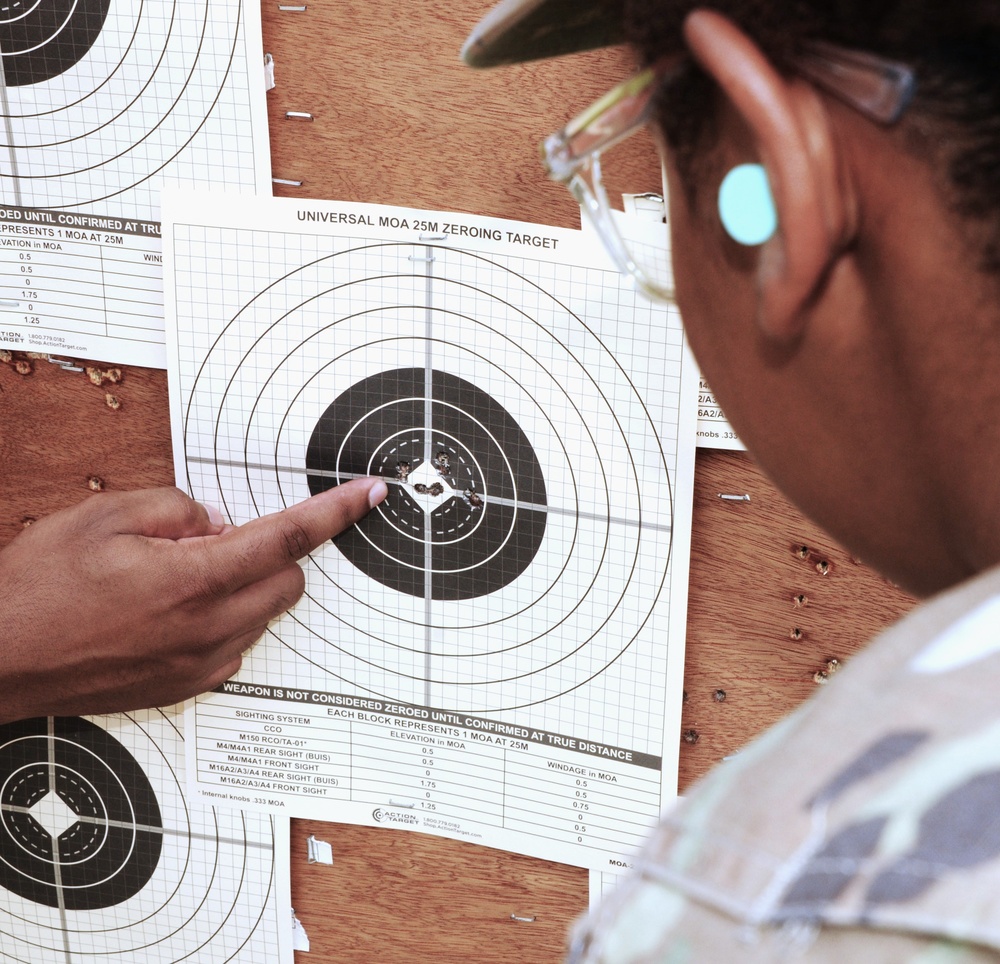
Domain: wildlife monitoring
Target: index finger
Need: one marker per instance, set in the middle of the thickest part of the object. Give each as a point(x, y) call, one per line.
point(258, 548)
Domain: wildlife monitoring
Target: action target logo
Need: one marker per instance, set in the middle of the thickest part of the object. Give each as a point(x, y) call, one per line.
point(40, 39)
point(465, 513)
point(389, 816)
point(80, 827)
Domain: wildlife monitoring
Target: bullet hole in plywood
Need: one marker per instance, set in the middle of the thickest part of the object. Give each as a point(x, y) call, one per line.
point(95, 483)
point(28, 520)
point(796, 633)
point(112, 401)
point(799, 600)
point(822, 676)
point(100, 375)
point(23, 367)
point(691, 736)
point(801, 551)
point(719, 696)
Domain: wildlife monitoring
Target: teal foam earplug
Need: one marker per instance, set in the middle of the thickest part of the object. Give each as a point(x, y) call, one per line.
point(746, 205)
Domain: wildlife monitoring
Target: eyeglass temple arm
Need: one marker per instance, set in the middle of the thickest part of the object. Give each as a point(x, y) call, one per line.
point(880, 89)
point(606, 122)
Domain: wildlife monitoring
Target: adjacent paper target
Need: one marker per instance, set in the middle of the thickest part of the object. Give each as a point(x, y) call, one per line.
point(103, 103)
point(102, 858)
point(81, 826)
point(104, 95)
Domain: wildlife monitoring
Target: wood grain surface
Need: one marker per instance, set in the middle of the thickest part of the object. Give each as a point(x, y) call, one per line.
point(774, 603)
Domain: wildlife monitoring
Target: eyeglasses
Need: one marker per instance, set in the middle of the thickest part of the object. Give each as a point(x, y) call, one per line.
point(589, 157)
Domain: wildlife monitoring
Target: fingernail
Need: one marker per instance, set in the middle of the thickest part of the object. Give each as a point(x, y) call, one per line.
point(215, 516)
point(377, 493)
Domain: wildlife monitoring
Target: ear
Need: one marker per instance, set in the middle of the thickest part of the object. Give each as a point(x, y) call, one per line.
point(791, 129)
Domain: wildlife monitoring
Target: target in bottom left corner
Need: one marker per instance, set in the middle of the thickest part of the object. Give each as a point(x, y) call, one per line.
point(99, 853)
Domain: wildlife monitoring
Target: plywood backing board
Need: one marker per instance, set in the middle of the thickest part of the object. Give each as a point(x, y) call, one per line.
point(397, 896)
point(396, 119)
point(775, 608)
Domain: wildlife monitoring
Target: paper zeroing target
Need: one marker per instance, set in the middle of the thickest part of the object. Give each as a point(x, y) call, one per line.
point(102, 858)
point(104, 95)
point(514, 560)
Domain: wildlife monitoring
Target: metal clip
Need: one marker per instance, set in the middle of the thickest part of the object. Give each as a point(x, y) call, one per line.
point(65, 364)
point(318, 851)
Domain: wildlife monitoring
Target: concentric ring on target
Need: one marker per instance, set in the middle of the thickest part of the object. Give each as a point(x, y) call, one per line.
point(466, 509)
point(445, 506)
point(80, 827)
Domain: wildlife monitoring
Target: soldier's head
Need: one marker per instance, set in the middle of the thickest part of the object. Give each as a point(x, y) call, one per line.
point(853, 339)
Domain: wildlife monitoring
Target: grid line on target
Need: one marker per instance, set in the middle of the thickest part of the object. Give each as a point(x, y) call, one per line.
point(102, 859)
point(522, 551)
point(104, 97)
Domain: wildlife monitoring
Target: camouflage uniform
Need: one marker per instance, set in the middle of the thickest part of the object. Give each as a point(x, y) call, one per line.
point(863, 828)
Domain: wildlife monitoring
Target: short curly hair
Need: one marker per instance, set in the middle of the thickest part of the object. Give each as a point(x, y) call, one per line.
point(954, 48)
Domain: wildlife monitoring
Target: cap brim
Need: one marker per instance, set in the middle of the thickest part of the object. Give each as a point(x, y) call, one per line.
point(518, 30)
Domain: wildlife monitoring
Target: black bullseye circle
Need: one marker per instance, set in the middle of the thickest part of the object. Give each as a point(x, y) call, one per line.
point(41, 39)
point(466, 509)
point(80, 827)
